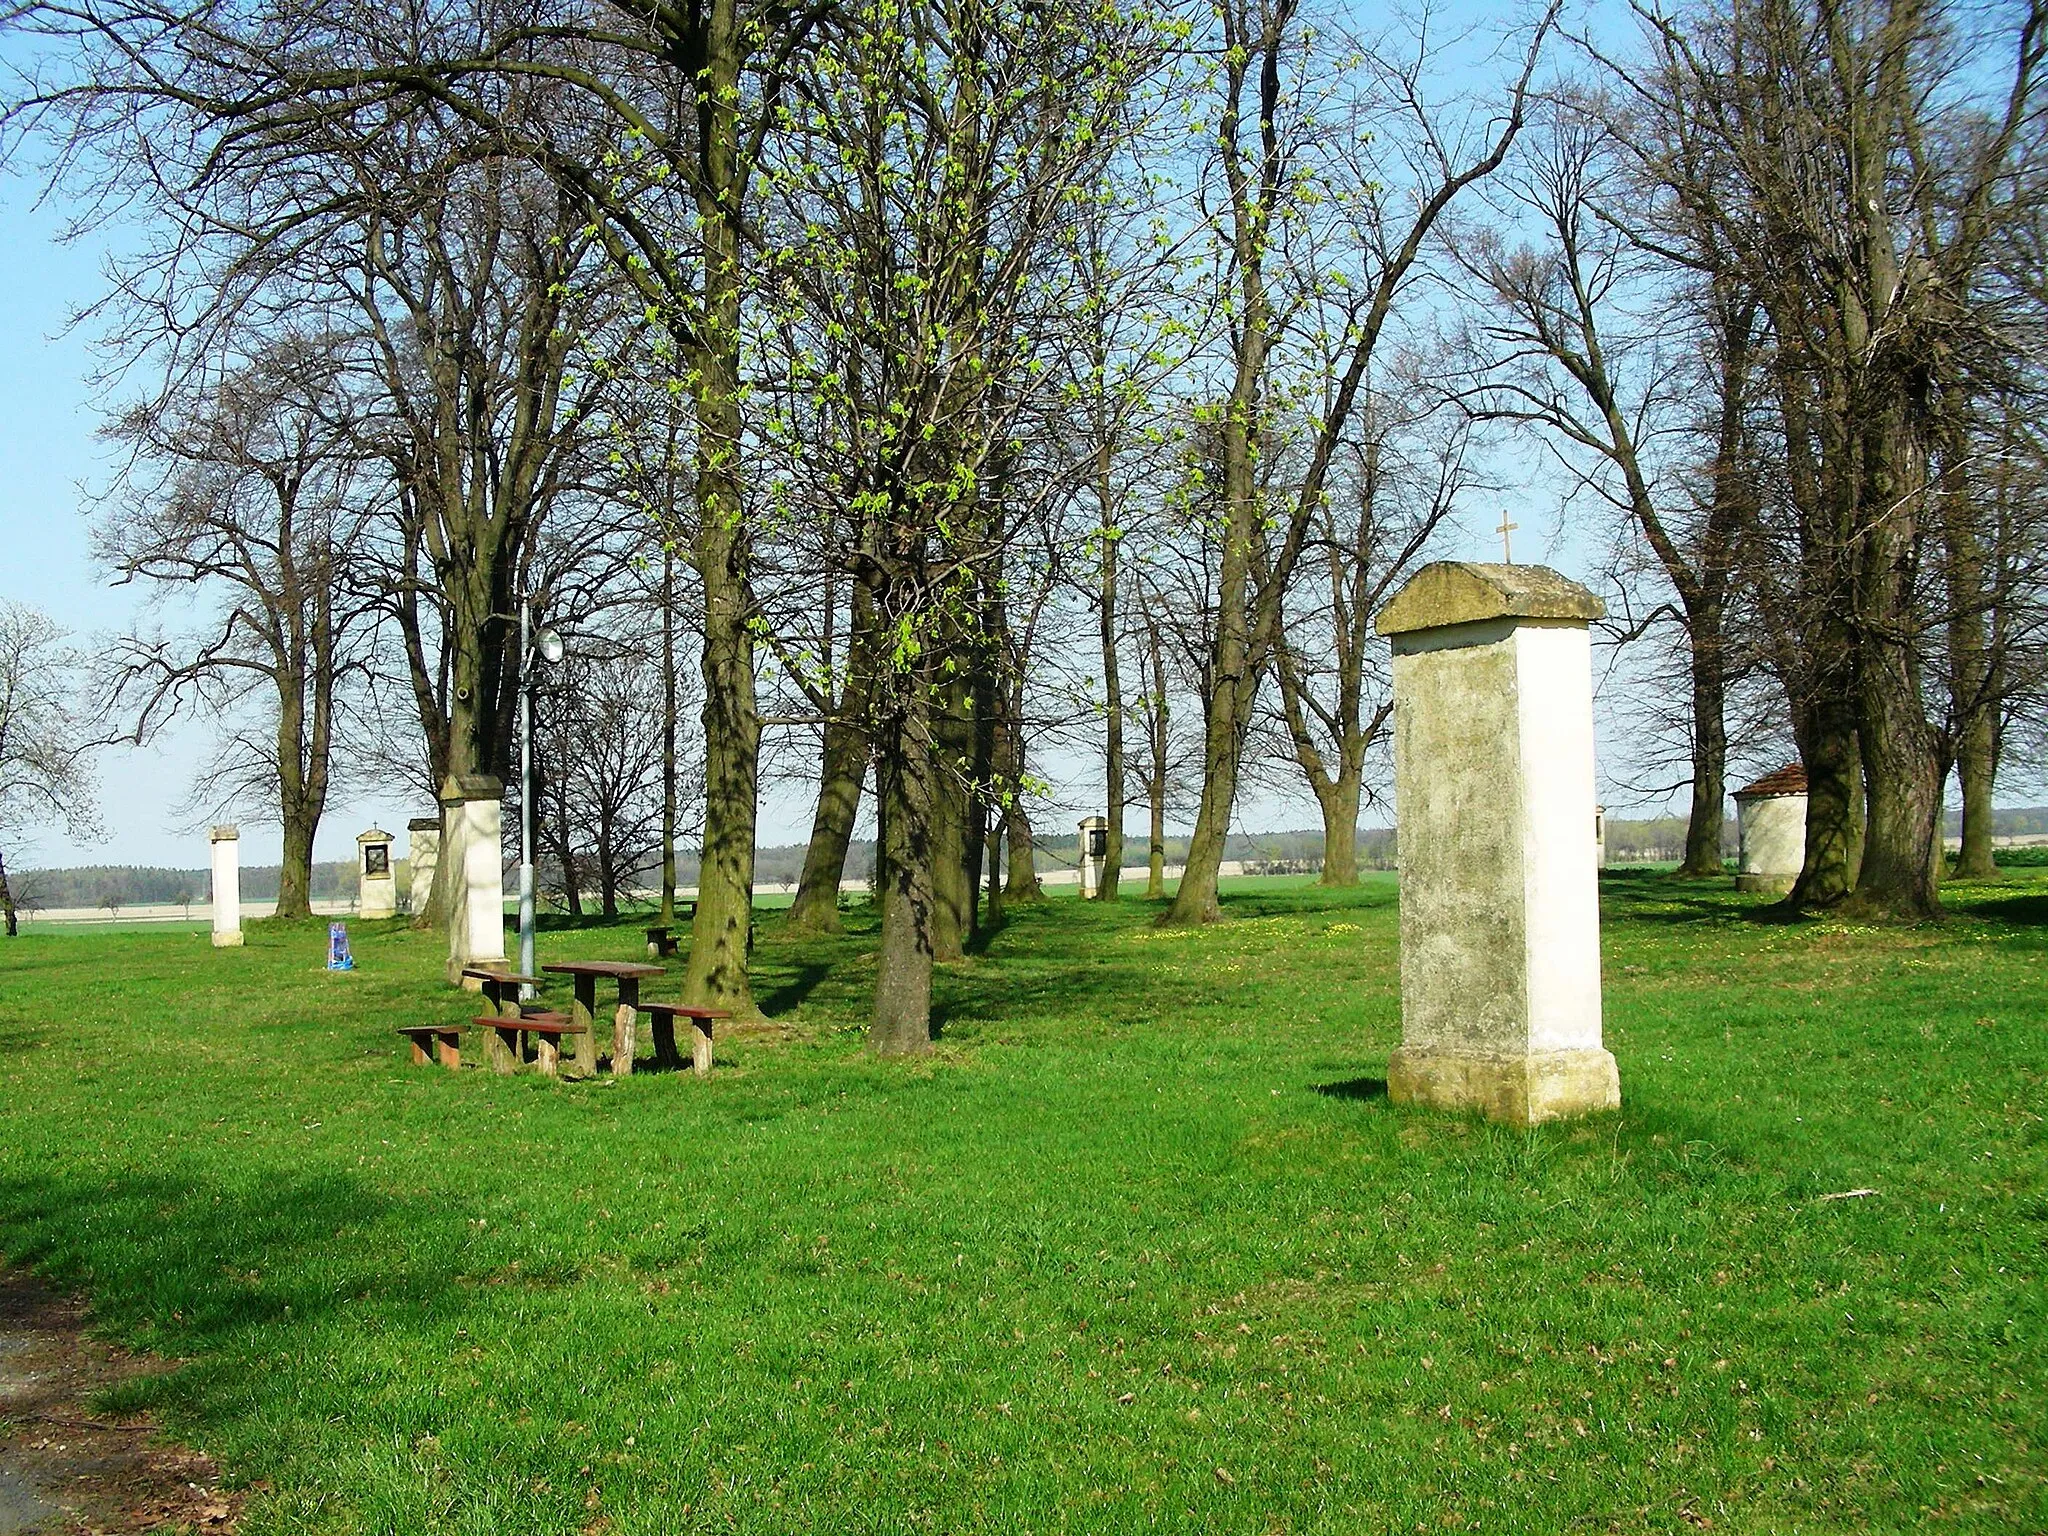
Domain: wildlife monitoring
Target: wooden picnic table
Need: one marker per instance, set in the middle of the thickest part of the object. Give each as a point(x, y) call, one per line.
point(627, 974)
point(501, 989)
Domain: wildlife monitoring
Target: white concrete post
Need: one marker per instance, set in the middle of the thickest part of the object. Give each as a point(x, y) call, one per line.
point(377, 889)
point(1094, 849)
point(422, 852)
point(1493, 785)
point(1600, 836)
point(472, 807)
point(227, 887)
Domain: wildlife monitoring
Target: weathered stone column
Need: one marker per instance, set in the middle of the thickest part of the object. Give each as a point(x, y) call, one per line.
point(422, 852)
point(1493, 785)
point(227, 887)
point(472, 808)
point(377, 888)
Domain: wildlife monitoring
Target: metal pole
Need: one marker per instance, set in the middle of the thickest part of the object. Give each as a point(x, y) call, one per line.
point(525, 795)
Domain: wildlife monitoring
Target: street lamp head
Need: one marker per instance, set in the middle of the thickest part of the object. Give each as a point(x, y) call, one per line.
point(549, 644)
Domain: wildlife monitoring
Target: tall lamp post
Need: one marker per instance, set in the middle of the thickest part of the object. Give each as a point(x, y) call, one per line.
point(545, 646)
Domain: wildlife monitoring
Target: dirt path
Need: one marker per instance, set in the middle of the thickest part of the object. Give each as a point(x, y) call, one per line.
point(64, 1470)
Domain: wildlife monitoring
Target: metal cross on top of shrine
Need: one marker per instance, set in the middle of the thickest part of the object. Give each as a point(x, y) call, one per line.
point(1507, 554)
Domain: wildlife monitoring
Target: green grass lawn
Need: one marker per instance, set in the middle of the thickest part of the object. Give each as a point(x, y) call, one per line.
point(1143, 1247)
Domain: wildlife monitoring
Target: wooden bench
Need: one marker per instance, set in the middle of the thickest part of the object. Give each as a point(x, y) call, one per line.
point(501, 989)
point(661, 939)
point(665, 1016)
point(546, 1029)
point(446, 1038)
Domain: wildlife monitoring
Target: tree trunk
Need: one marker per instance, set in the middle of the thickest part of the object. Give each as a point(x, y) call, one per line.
point(721, 937)
point(1222, 753)
point(842, 774)
point(1340, 834)
point(295, 874)
point(1902, 816)
point(1112, 697)
point(1022, 884)
point(1709, 748)
point(1827, 744)
point(903, 980)
point(993, 862)
point(1157, 727)
point(952, 806)
point(7, 912)
point(1977, 769)
point(1902, 776)
point(668, 734)
point(842, 771)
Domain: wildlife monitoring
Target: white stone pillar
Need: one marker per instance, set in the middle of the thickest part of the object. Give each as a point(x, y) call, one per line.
point(227, 887)
point(1493, 785)
point(1600, 837)
point(1093, 845)
point(377, 889)
point(423, 851)
point(472, 808)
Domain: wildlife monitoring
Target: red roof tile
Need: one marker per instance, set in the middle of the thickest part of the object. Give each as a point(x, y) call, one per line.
point(1789, 780)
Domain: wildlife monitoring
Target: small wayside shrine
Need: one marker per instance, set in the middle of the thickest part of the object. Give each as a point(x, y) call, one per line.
point(1770, 817)
point(1494, 789)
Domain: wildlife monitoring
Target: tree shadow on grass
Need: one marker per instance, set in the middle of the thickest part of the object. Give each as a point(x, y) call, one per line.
point(205, 1259)
point(2019, 911)
point(792, 988)
point(1357, 1089)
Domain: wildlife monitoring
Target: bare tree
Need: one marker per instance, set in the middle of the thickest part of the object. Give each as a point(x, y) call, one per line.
point(1402, 477)
point(252, 493)
point(1634, 346)
point(45, 739)
point(1278, 158)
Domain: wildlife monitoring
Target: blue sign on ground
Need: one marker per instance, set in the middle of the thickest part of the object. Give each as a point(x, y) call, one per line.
point(338, 957)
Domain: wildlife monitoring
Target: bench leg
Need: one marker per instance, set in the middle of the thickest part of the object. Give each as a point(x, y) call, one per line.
point(700, 1048)
point(666, 1055)
point(419, 1051)
point(450, 1042)
point(626, 1027)
point(582, 1010)
point(547, 1055)
point(504, 1045)
point(625, 1039)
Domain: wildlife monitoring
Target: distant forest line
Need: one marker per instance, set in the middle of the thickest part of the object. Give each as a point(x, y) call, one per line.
point(1652, 840)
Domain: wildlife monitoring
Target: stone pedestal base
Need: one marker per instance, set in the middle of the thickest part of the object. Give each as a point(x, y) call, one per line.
point(1517, 1090)
point(231, 940)
point(1766, 885)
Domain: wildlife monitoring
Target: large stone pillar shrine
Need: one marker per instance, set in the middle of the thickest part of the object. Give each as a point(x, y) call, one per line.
point(1493, 784)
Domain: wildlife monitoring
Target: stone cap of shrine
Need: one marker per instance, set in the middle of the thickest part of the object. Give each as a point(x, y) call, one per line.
point(424, 824)
point(374, 835)
point(458, 787)
point(225, 835)
point(1448, 592)
point(1789, 780)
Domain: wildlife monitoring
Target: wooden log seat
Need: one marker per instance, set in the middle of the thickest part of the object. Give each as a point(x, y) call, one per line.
point(701, 1020)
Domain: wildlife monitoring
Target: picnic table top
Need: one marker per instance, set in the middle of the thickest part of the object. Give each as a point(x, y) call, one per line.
point(619, 969)
point(487, 973)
